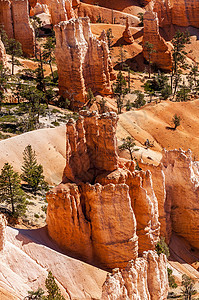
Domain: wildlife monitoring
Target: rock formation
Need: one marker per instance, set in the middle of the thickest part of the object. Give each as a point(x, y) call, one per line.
point(14, 17)
point(2, 53)
point(182, 192)
point(180, 13)
point(3, 224)
point(104, 210)
point(143, 279)
point(161, 56)
point(127, 35)
point(83, 61)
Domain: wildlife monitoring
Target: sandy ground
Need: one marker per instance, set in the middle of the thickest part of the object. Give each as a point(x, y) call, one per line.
point(154, 122)
point(30, 254)
point(49, 145)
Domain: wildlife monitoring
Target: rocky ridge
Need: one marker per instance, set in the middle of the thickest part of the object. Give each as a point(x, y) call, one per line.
point(2, 53)
point(102, 185)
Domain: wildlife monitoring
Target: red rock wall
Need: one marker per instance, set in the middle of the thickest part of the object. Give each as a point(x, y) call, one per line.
point(14, 16)
point(162, 56)
point(181, 13)
point(118, 207)
point(83, 61)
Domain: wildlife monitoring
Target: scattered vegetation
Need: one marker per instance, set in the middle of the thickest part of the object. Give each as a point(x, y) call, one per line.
point(162, 247)
point(188, 289)
point(171, 279)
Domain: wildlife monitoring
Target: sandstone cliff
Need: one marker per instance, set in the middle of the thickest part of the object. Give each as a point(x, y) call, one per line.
point(161, 56)
point(82, 60)
point(14, 17)
point(180, 13)
point(115, 215)
point(182, 192)
point(143, 279)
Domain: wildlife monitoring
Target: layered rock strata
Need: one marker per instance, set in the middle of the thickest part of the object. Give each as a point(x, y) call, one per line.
point(83, 61)
point(161, 56)
point(180, 13)
point(104, 210)
point(143, 279)
point(14, 17)
point(3, 224)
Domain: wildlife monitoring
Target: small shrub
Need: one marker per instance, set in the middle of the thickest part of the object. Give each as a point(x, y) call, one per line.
point(171, 279)
point(55, 123)
point(36, 216)
point(162, 247)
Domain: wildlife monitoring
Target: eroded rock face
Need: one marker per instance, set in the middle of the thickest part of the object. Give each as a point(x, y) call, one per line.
point(161, 56)
point(127, 35)
point(180, 13)
point(82, 60)
point(2, 53)
point(182, 193)
point(143, 279)
point(14, 17)
point(116, 212)
point(3, 224)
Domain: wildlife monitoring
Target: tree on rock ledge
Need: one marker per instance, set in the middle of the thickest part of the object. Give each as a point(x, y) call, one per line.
point(128, 144)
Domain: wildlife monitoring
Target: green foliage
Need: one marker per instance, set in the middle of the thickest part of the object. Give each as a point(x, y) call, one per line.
point(10, 190)
point(48, 53)
point(139, 101)
point(110, 37)
point(15, 50)
point(54, 292)
point(188, 289)
point(120, 90)
point(122, 58)
point(171, 279)
point(102, 105)
point(129, 145)
point(158, 84)
point(141, 17)
point(4, 76)
point(183, 93)
point(128, 105)
point(176, 121)
point(162, 247)
point(32, 173)
point(38, 295)
point(149, 48)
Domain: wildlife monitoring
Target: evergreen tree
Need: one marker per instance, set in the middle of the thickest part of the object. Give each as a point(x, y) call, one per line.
point(128, 144)
point(120, 91)
point(4, 75)
point(48, 53)
point(150, 49)
point(38, 295)
point(179, 42)
point(52, 288)
point(10, 190)
point(188, 289)
point(176, 121)
point(15, 50)
point(32, 172)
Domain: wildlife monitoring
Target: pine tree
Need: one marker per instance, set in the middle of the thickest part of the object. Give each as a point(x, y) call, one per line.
point(120, 91)
point(52, 288)
point(128, 144)
point(32, 173)
point(176, 121)
point(10, 190)
point(15, 50)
